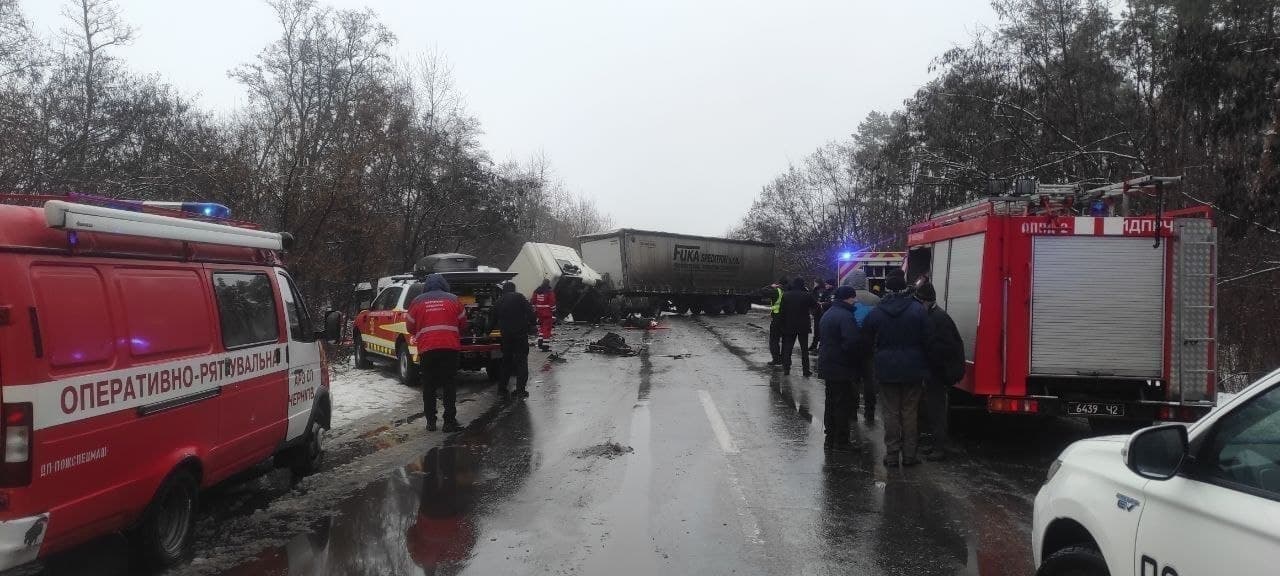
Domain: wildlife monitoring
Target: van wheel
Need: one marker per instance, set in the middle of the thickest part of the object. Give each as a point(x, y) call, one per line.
point(1074, 561)
point(404, 366)
point(362, 357)
point(163, 537)
point(309, 456)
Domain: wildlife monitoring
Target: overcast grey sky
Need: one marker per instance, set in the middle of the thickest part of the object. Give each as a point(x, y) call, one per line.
point(671, 114)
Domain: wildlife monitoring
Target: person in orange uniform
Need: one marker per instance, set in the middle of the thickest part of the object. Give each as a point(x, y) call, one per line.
point(436, 321)
point(544, 306)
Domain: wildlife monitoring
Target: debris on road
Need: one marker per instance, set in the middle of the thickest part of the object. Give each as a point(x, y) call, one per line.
point(641, 322)
point(611, 344)
point(678, 356)
point(608, 450)
point(556, 357)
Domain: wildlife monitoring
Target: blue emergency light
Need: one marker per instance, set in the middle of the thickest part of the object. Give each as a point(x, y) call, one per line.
point(846, 255)
point(206, 209)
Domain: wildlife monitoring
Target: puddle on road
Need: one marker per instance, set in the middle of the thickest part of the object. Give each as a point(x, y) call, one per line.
point(422, 518)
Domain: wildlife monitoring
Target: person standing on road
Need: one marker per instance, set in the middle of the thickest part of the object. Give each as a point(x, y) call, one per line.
point(513, 316)
point(837, 364)
point(864, 380)
point(822, 292)
point(544, 305)
point(946, 367)
point(797, 311)
point(774, 294)
point(436, 320)
point(899, 329)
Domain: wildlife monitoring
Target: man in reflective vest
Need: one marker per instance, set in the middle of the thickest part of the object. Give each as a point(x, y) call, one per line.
point(775, 321)
point(436, 321)
point(544, 306)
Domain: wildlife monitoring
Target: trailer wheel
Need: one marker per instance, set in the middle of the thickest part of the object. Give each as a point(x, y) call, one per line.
point(361, 357)
point(1074, 561)
point(163, 536)
point(742, 305)
point(405, 369)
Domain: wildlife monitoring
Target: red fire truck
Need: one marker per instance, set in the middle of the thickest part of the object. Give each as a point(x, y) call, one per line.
point(144, 354)
point(1070, 305)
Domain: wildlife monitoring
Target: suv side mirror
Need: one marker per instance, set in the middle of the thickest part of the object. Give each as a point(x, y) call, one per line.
point(332, 326)
point(1157, 452)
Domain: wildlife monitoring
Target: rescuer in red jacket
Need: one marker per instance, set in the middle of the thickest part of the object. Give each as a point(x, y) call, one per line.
point(544, 306)
point(436, 321)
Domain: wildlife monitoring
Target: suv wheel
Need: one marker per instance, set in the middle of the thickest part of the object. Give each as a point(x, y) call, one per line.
point(362, 357)
point(163, 536)
point(404, 366)
point(1074, 561)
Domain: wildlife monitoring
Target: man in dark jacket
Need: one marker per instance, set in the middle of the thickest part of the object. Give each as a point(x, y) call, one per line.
point(822, 292)
point(899, 329)
point(514, 317)
point(773, 295)
point(864, 381)
point(796, 311)
point(838, 361)
point(946, 367)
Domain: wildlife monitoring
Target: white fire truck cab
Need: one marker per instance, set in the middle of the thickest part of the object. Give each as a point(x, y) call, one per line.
point(144, 354)
point(1068, 304)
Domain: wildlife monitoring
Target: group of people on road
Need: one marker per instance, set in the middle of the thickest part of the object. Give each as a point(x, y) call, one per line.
point(901, 349)
point(436, 321)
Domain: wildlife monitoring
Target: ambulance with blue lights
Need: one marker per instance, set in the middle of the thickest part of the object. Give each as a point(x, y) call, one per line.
point(874, 264)
point(147, 351)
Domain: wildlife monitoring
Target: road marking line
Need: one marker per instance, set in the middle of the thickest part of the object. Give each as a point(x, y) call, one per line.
point(717, 423)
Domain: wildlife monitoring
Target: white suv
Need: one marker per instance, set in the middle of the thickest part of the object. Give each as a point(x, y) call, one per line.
point(1171, 499)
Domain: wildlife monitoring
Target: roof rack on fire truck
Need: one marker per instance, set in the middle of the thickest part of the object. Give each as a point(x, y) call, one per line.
point(1032, 197)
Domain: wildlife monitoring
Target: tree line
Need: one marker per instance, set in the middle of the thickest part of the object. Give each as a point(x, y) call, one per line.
point(369, 158)
point(1070, 91)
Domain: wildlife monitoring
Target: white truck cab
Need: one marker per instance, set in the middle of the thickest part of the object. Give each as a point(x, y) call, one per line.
point(1169, 500)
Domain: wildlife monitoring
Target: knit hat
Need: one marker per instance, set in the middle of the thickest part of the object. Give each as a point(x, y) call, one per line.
point(926, 293)
point(845, 293)
point(896, 280)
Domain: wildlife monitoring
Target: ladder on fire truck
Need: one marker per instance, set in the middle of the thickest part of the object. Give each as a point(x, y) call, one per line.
point(1195, 299)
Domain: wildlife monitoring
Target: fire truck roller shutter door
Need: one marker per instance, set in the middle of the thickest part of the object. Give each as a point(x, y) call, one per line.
point(965, 264)
point(1097, 306)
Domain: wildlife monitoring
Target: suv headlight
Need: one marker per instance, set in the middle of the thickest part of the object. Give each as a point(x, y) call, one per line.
point(1053, 470)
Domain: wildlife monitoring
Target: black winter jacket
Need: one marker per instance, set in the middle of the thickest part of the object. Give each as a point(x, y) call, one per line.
point(513, 315)
point(946, 348)
point(798, 307)
point(900, 330)
point(839, 354)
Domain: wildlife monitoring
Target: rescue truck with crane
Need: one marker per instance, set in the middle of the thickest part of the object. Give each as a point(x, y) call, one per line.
point(1070, 304)
point(145, 353)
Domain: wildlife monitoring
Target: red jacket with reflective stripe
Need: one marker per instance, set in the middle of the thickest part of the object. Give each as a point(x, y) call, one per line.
point(544, 303)
point(435, 322)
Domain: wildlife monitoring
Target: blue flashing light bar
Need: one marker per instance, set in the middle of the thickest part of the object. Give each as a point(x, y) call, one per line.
point(205, 209)
point(846, 256)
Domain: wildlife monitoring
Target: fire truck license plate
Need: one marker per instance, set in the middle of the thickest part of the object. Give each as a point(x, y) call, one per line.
point(1095, 409)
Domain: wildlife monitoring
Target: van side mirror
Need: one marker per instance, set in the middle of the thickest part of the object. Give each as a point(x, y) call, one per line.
point(1157, 452)
point(332, 326)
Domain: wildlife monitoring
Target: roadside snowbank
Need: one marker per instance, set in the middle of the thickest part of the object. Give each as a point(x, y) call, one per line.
point(359, 393)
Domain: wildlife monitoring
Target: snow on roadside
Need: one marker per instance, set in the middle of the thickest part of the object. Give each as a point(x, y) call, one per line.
point(358, 393)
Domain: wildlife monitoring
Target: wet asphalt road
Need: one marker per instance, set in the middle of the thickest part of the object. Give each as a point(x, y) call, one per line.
point(692, 457)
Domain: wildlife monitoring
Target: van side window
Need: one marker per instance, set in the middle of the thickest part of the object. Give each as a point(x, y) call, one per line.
point(301, 328)
point(246, 308)
point(1244, 450)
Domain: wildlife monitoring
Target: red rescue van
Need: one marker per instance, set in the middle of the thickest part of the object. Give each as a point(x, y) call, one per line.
point(144, 354)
